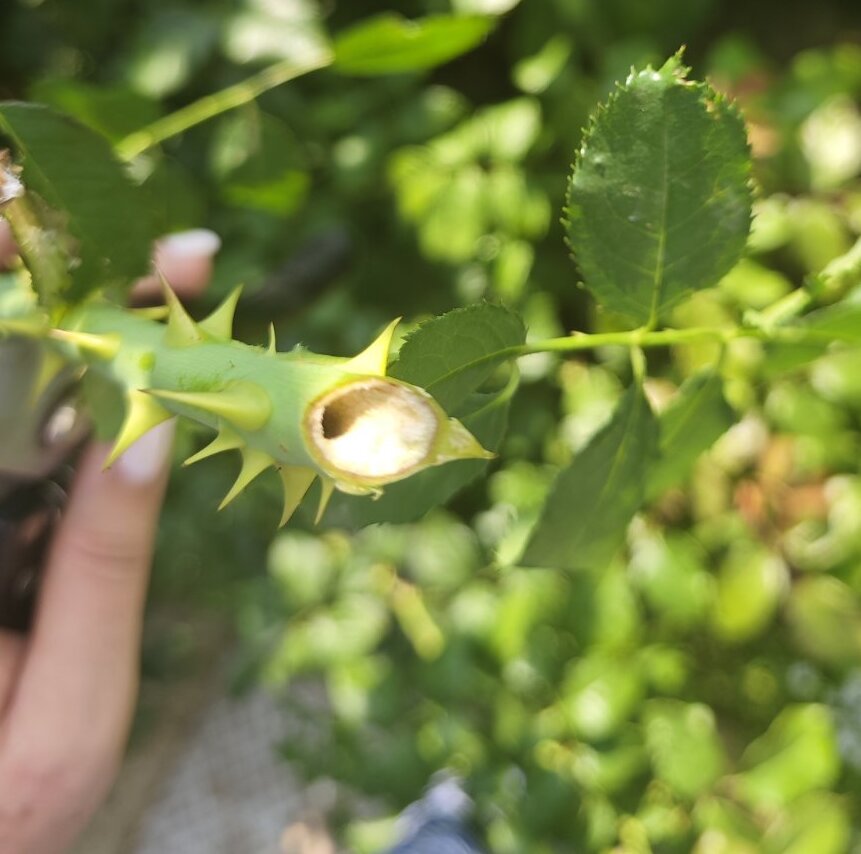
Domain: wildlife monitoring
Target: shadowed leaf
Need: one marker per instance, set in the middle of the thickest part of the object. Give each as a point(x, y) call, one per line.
point(451, 355)
point(390, 44)
point(692, 422)
point(589, 506)
point(72, 169)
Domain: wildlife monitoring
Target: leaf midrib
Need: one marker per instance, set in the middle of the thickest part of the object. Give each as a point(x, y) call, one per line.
point(627, 427)
point(658, 280)
point(690, 415)
point(621, 450)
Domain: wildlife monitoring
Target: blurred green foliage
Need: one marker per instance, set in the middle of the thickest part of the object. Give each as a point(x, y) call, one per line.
point(698, 690)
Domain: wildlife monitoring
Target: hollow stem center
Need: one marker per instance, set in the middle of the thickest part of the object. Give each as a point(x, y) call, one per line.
point(374, 429)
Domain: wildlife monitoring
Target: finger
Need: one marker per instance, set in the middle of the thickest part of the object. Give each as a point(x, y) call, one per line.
point(183, 258)
point(11, 652)
point(79, 677)
point(185, 261)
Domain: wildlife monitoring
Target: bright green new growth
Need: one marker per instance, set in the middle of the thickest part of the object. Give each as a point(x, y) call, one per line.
point(659, 200)
point(308, 416)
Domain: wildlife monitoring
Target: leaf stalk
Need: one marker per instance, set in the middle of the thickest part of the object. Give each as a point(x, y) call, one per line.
point(669, 338)
point(223, 101)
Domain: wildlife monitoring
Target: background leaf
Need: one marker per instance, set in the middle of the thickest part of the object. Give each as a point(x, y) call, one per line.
point(749, 586)
point(692, 422)
point(836, 322)
point(659, 200)
point(259, 163)
point(173, 43)
point(273, 31)
point(113, 111)
point(825, 620)
point(818, 822)
point(601, 693)
point(684, 745)
point(592, 501)
point(797, 754)
point(390, 44)
point(73, 170)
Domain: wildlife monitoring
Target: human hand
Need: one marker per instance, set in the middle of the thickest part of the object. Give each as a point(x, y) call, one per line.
point(184, 259)
point(67, 690)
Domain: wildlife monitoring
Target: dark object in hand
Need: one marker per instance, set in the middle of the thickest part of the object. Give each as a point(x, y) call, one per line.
point(28, 517)
point(41, 428)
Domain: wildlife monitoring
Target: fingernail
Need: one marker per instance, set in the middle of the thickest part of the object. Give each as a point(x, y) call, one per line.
point(144, 461)
point(193, 243)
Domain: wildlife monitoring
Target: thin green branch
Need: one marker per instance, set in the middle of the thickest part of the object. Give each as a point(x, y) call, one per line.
point(644, 338)
point(786, 308)
point(670, 337)
point(217, 103)
point(638, 364)
point(637, 338)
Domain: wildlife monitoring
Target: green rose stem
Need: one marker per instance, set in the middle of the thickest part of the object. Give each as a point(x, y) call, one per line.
point(341, 420)
point(665, 338)
point(309, 416)
point(645, 338)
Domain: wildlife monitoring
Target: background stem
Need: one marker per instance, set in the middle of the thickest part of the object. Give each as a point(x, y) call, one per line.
point(672, 337)
point(217, 103)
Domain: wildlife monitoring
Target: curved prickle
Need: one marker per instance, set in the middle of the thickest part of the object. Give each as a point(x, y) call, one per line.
point(225, 440)
point(296, 481)
point(243, 404)
point(308, 416)
point(253, 463)
point(142, 414)
point(219, 324)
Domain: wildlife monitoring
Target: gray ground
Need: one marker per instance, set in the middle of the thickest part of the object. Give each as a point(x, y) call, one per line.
point(228, 793)
point(202, 775)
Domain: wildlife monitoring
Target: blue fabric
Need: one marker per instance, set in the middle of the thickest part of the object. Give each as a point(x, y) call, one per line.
point(438, 836)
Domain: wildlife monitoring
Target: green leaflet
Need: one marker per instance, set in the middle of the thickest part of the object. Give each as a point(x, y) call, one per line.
point(75, 175)
point(694, 420)
point(391, 44)
point(450, 356)
point(659, 200)
point(589, 507)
